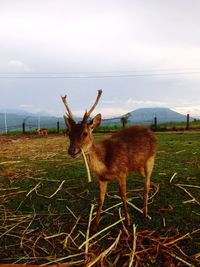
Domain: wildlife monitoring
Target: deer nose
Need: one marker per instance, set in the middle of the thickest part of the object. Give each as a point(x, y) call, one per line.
point(73, 151)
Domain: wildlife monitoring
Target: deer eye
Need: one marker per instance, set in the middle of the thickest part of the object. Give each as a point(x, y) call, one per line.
point(85, 133)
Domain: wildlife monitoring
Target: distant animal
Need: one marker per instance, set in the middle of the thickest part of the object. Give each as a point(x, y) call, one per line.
point(130, 149)
point(65, 132)
point(43, 131)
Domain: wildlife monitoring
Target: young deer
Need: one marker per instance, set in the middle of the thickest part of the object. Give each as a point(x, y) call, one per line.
point(131, 149)
point(42, 131)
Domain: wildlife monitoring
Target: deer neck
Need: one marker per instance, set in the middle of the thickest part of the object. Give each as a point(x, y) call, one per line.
point(95, 159)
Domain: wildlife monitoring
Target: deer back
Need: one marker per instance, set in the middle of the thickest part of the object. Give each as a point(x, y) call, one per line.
point(125, 151)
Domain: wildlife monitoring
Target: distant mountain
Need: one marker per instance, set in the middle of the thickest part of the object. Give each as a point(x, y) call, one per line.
point(16, 112)
point(138, 116)
point(14, 119)
point(162, 114)
point(146, 116)
point(32, 121)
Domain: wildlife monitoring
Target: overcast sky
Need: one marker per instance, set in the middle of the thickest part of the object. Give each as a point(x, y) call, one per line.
point(142, 53)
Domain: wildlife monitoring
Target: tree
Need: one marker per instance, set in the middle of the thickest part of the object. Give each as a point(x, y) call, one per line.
point(124, 120)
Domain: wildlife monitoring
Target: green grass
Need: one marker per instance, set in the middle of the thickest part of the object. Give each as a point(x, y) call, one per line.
point(178, 126)
point(32, 170)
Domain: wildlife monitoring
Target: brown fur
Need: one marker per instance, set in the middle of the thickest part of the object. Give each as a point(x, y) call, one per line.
point(126, 151)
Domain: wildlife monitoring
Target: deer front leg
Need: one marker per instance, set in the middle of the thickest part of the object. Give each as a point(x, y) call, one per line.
point(122, 189)
point(102, 192)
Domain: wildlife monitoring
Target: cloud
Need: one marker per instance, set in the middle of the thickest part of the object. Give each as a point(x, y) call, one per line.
point(119, 107)
point(88, 33)
point(17, 65)
point(31, 108)
point(192, 110)
point(26, 106)
point(133, 103)
point(106, 112)
point(86, 37)
point(113, 112)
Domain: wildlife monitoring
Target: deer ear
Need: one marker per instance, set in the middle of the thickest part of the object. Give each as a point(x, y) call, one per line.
point(95, 122)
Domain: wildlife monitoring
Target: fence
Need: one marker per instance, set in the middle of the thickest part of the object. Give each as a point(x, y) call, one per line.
point(29, 126)
point(154, 121)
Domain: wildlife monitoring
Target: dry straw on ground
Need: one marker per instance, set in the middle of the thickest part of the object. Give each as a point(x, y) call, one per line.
point(82, 248)
point(74, 244)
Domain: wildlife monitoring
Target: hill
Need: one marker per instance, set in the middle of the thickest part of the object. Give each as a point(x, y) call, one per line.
point(32, 121)
point(162, 114)
point(146, 116)
point(138, 116)
point(15, 118)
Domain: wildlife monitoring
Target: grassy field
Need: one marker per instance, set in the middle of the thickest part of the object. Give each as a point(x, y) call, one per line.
point(46, 204)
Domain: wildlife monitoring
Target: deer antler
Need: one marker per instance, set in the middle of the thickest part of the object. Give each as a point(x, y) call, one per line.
point(69, 113)
point(88, 113)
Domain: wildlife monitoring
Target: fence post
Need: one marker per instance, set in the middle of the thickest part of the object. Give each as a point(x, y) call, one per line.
point(155, 123)
point(23, 127)
point(58, 126)
point(6, 125)
point(188, 122)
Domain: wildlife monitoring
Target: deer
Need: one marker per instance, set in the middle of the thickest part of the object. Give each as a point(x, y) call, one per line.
point(42, 131)
point(130, 149)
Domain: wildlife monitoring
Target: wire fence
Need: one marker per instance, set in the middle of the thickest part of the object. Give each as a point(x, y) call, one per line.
point(31, 125)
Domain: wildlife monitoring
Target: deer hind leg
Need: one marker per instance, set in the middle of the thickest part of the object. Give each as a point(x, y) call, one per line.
point(102, 192)
point(147, 173)
point(122, 189)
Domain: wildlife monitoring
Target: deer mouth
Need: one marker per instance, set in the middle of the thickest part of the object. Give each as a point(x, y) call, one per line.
point(75, 153)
